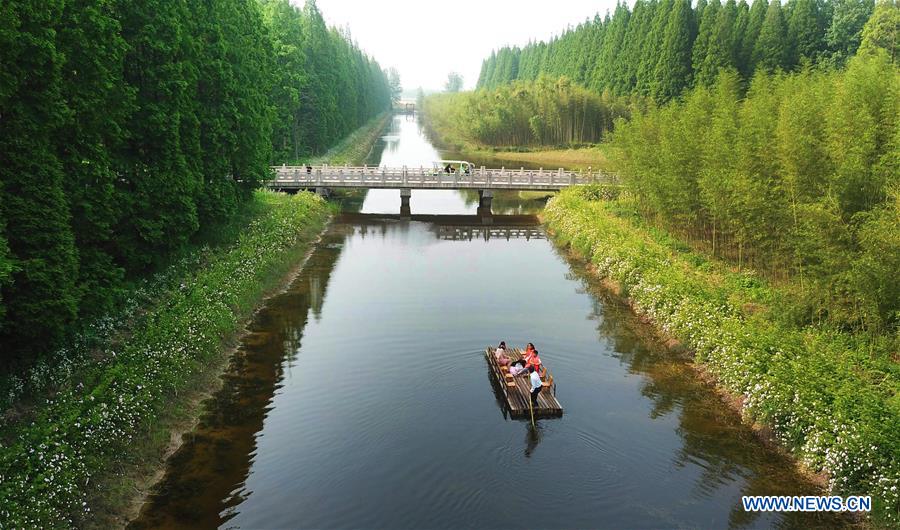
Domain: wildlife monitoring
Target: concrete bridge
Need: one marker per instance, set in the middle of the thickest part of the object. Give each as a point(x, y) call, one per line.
point(324, 178)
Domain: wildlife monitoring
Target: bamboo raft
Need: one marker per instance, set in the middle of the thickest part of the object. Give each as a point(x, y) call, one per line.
point(517, 390)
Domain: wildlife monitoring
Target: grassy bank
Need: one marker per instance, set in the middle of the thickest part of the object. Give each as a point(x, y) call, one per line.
point(59, 453)
point(829, 396)
point(354, 149)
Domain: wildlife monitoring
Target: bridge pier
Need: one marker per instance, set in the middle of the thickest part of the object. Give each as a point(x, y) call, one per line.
point(323, 192)
point(405, 211)
point(485, 198)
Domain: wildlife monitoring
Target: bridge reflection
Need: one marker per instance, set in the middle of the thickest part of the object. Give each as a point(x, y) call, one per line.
point(454, 227)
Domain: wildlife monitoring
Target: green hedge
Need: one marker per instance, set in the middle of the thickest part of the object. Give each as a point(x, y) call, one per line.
point(48, 470)
point(830, 397)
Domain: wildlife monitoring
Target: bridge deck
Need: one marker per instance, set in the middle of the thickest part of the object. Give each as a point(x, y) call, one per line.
point(517, 390)
point(302, 177)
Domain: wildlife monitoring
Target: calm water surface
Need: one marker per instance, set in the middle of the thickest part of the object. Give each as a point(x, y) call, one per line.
point(360, 397)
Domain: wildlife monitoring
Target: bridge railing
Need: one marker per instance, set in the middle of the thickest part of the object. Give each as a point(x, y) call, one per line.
point(356, 176)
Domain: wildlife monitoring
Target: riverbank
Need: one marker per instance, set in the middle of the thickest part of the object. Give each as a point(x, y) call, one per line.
point(828, 397)
point(355, 148)
point(78, 453)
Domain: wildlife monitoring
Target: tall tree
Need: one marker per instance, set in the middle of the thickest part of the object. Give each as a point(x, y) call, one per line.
point(882, 31)
point(394, 81)
point(844, 32)
point(159, 181)
point(755, 19)
point(771, 49)
point(633, 45)
point(89, 37)
point(705, 31)
point(650, 53)
point(673, 70)
point(616, 27)
point(805, 31)
point(42, 298)
point(454, 82)
point(722, 52)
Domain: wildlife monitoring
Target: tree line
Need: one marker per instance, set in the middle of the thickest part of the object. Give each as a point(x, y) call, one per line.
point(127, 127)
point(799, 178)
point(661, 47)
point(542, 112)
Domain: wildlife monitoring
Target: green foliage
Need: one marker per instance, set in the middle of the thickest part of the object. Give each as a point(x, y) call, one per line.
point(673, 67)
point(788, 179)
point(771, 49)
point(661, 47)
point(42, 298)
point(545, 112)
point(827, 395)
point(844, 33)
point(52, 465)
point(324, 86)
point(882, 31)
point(128, 128)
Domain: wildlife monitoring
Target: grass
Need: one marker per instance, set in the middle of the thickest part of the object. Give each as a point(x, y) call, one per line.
point(828, 396)
point(575, 159)
point(120, 400)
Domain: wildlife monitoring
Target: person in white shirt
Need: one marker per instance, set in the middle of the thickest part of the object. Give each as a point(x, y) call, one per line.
point(536, 385)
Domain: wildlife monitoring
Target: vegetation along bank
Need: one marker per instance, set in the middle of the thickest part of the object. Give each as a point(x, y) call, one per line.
point(827, 395)
point(56, 461)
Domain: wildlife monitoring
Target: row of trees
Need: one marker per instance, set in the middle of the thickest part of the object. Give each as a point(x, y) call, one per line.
point(661, 47)
point(127, 126)
point(800, 177)
point(534, 113)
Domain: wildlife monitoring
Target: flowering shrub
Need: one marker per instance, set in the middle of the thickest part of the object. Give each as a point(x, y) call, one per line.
point(828, 396)
point(46, 471)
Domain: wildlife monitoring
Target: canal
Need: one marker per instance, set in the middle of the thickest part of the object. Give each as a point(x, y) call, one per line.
point(360, 397)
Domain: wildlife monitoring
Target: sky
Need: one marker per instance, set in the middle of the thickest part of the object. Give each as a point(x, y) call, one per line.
point(426, 39)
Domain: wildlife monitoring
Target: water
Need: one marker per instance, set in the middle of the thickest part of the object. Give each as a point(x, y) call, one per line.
point(360, 397)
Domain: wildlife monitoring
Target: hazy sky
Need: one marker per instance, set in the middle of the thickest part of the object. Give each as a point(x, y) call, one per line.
point(426, 39)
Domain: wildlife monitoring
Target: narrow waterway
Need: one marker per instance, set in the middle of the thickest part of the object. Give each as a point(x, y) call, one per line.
point(361, 398)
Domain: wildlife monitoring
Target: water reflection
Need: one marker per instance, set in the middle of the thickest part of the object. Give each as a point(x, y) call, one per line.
point(205, 481)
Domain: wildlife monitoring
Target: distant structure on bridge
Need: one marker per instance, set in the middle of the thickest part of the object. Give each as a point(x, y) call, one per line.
point(324, 178)
point(405, 106)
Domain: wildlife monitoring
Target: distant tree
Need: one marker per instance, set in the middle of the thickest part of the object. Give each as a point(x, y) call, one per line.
point(653, 44)
point(771, 49)
point(844, 32)
point(882, 31)
point(806, 30)
point(673, 69)
point(755, 19)
point(394, 80)
point(454, 82)
point(705, 31)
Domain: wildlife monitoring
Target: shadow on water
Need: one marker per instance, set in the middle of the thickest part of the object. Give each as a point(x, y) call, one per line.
point(205, 477)
point(714, 437)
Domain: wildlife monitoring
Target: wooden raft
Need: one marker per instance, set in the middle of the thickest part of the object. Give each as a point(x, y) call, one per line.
point(517, 390)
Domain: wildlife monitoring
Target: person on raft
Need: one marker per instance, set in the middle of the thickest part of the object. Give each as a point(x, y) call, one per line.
point(529, 358)
point(536, 385)
point(500, 354)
